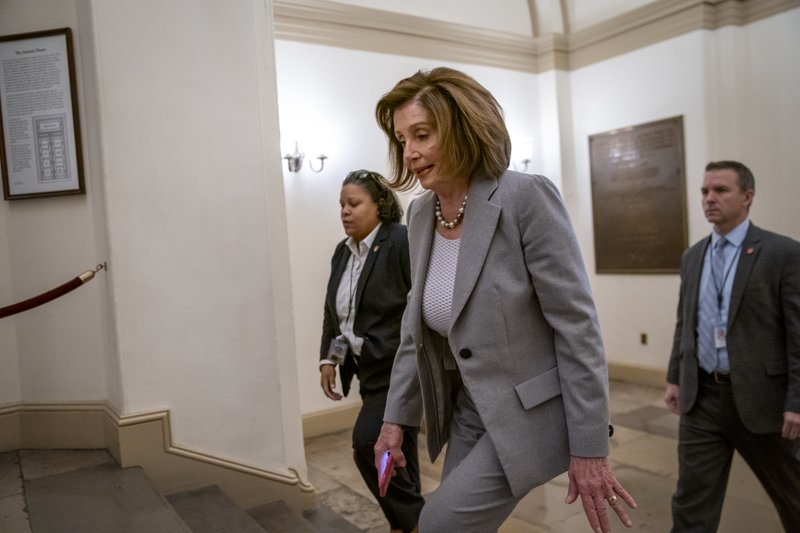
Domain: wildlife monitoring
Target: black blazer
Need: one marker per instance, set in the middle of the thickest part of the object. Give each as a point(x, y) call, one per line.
point(380, 300)
point(763, 329)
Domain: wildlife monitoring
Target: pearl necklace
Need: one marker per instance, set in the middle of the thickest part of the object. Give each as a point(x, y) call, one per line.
point(456, 221)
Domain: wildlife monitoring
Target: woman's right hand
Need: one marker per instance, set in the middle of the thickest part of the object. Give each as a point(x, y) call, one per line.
point(327, 380)
point(391, 439)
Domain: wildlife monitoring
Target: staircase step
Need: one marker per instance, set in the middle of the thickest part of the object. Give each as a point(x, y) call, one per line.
point(209, 510)
point(277, 517)
point(99, 500)
point(325, 519)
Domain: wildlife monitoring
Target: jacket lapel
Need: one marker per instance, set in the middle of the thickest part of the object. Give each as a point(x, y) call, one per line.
point(339, 265)
point(694, 270)
point(420, 235)
point(377, 244)
point(747, 258)
point(480, 223)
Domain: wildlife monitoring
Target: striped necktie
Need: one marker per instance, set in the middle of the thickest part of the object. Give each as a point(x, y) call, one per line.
point(709, 309)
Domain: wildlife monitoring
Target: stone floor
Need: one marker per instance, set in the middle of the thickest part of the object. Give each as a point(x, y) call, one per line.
point(643, 455)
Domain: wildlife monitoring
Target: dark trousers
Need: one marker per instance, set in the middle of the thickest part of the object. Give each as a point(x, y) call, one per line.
point(403, 501)
point(708, 435)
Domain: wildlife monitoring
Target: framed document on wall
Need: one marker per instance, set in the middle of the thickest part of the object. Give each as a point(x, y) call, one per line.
point(40, 152)
point(639, 198)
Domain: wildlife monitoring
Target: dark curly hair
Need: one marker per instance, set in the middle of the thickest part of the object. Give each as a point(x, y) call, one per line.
point(375, 185)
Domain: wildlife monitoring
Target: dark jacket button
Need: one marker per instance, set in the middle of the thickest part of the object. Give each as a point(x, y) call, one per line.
point(465, 353)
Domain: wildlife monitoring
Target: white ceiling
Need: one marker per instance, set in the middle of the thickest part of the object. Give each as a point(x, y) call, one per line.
point(512, 16)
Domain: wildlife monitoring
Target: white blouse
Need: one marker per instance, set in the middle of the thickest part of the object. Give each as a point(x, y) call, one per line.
point(437, 296)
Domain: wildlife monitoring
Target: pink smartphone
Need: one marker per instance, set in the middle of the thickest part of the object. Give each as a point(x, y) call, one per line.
point(385, 472)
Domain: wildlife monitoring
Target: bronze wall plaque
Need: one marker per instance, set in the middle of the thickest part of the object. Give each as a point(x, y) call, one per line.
point(639, 198)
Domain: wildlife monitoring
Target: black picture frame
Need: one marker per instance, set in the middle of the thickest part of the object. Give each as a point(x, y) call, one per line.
point(40, 140)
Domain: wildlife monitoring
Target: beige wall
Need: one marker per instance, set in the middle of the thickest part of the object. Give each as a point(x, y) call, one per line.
point(710, 77)
point(199, 312)
point(185, 203)
point(326, 98)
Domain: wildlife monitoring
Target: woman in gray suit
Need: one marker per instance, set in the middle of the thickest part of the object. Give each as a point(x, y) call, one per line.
point(501, 349)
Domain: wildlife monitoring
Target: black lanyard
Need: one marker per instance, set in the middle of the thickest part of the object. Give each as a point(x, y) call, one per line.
point(352, 289)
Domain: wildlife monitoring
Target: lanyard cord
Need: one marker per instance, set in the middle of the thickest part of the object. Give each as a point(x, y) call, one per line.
point(352, 289)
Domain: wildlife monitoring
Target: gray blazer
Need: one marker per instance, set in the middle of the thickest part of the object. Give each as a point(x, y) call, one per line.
point(763, 329)
point(523, 330)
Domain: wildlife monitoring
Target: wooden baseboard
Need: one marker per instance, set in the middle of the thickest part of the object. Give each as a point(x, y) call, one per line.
point(145, 440)
point(643, 375)
point(330, 420)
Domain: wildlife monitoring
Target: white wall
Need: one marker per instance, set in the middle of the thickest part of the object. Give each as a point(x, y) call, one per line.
point(190, 172)
point(584, 13)
point(660, 81)
point(736, 89)
point(327, 100)
point(199, 312)
point(185, 202)
point(56, 352)
point(766, 115)
point(511, 16)
point(10, 391)
point(327, 95)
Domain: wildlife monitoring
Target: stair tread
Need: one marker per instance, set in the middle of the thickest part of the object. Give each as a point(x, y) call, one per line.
point(209, 510)
point(325, 519)
point(98, 500)
point(277, 517)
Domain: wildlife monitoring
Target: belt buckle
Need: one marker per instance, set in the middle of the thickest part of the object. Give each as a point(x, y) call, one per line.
point(721, 378)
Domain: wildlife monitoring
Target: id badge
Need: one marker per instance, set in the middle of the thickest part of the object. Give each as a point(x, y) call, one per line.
point(337, 351)
point(719, 337)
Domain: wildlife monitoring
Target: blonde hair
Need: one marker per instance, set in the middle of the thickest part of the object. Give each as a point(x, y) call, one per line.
point(469, 121)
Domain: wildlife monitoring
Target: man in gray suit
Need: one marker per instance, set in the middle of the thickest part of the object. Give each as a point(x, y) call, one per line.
point(734, 371)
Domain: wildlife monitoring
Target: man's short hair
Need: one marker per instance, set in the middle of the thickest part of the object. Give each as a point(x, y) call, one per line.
point(747, 182)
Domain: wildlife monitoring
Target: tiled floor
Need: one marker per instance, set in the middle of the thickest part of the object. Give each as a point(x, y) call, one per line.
point(643, 455)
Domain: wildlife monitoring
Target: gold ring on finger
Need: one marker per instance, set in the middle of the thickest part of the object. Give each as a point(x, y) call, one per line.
point(613, 499)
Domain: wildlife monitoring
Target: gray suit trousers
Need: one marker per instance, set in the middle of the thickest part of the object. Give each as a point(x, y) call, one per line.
point(474, 495)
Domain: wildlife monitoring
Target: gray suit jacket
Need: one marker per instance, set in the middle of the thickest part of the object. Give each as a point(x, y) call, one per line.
point(763, 336)
point(523, 330)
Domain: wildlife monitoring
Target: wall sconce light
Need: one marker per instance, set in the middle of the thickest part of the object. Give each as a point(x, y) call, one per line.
point(295, 161)
point(525, 162)
point(522, 153)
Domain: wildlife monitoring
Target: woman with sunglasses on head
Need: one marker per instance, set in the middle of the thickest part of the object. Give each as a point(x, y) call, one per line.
point(364, 306)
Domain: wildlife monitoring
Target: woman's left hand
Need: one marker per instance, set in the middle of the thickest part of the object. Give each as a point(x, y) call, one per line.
point(592, 479)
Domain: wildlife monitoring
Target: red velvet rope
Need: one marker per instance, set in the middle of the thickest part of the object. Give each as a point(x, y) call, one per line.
point(50, 295)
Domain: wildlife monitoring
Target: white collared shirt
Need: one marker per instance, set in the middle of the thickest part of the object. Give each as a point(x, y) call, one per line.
point(346, 293)
point(735, 238)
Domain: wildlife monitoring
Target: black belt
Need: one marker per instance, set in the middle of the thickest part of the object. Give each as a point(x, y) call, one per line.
point(719, 378)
